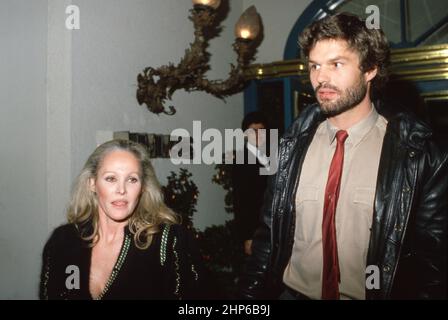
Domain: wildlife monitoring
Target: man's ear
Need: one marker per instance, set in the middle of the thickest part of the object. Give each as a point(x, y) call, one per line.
point(369, 75)
point(92, 184)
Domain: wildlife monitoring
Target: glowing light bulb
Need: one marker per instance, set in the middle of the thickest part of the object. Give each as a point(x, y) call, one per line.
point(245, 34)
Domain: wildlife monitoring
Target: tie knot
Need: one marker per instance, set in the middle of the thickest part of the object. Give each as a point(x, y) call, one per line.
point(341, 136)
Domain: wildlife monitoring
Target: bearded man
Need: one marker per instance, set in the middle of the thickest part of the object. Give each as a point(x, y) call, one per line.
point(358, 206)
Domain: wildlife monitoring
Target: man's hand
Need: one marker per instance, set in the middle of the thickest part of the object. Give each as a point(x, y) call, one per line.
point(248, 247)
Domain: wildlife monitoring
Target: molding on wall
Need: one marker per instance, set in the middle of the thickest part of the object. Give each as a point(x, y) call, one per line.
point(436, 95)
point(416, 64)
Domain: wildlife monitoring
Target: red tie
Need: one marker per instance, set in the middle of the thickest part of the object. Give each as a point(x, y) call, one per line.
point(331, 275)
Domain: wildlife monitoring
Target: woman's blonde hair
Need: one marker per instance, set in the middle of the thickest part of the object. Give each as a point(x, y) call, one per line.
point(150, 211)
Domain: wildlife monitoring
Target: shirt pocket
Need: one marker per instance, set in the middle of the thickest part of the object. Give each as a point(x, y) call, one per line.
point(363, 198)
point(306, 193)
point(307, 217)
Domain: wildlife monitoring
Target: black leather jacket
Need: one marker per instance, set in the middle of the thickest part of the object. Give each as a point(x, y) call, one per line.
point(408, 234)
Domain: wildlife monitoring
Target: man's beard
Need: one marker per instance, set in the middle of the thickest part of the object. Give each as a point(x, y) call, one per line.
point(347, 100)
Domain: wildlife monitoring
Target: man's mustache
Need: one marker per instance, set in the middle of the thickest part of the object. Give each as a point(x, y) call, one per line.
point(326, 86)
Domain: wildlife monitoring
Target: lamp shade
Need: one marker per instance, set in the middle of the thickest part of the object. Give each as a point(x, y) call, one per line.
point(208, 3)
point(248, 25)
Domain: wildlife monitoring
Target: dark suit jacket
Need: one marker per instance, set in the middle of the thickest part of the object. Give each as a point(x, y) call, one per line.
point(248, 191)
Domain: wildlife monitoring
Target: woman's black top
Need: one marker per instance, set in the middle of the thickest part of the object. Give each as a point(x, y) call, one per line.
point(169, 269)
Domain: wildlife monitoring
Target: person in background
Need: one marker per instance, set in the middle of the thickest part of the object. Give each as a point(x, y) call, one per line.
point(122, 241)
point(248, 184)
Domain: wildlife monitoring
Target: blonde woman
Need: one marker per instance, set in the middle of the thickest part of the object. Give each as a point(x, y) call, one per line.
point(122, 241)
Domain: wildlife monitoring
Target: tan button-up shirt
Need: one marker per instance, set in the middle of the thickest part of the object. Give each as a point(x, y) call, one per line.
point(354, 210)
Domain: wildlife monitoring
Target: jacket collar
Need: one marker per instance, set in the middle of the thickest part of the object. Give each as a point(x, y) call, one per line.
point(410, 130)
point(309, 118)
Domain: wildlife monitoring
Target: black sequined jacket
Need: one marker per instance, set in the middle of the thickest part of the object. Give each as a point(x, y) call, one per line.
point(169, 269)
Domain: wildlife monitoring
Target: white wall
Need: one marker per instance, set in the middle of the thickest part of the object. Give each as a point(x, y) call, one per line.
point(278, 19)
point(23, 202)
point(59, 107)
point(61, 89)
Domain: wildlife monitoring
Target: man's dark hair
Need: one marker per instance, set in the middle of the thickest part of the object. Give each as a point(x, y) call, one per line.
point(254, 117)
point(370, 44)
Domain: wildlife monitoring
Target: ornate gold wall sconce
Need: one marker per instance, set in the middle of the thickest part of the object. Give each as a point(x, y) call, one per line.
point(155, 86)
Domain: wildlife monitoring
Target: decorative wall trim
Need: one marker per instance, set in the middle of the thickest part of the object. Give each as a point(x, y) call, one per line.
point(416, 64)
point(276, 69)
point(436, 95)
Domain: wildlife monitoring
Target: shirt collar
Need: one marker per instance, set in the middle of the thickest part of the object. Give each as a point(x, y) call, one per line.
point(357, 132)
